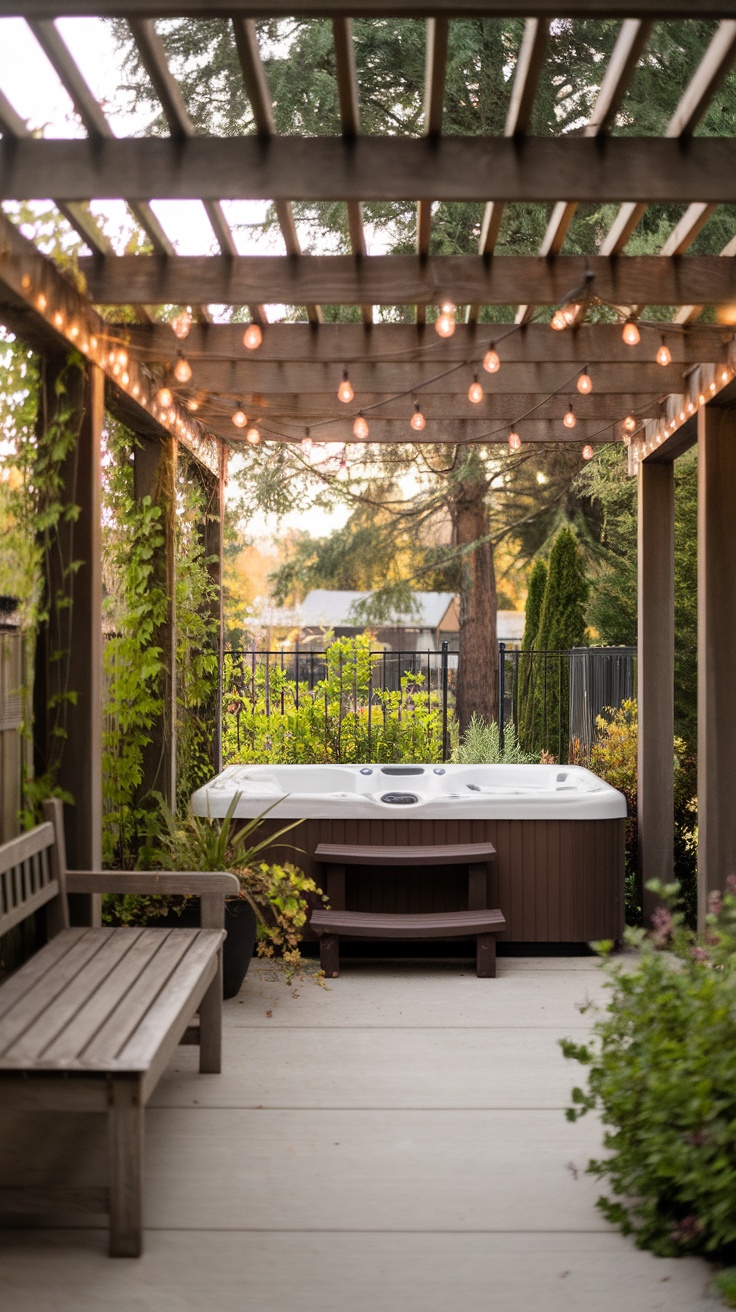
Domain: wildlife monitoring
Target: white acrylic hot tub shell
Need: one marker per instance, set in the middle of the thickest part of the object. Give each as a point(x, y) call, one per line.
point(460, 792)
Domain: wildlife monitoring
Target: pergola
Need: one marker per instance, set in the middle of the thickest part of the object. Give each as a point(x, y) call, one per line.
point(288, 384)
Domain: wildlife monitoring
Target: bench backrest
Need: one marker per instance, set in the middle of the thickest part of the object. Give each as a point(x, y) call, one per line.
point(32, 873)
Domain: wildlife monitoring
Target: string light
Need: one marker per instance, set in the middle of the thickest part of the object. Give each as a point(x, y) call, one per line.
point(724, 375)
point(585, 383)
point(360, 427)
point(629, 423)
point(93, 342)
point(41, 302)
point(630, 333)
point(514, 441)
point(587, 452)
point(253, 437)
point(701, 399)
point(417, 420)
point(239, 417)
point(182, 323)
point(192, 404)
point(252, 337)
point(444, 325)
point(570, 313)
point(569, 419)
point(345, 391)
point(491, 360)
point(122, 358)
point(182, 369)
point(74, 330)
point(58, 319)
point(164, 397)
point(475, 392)
point(558, 321)
point(664, 355)
point(125, 379)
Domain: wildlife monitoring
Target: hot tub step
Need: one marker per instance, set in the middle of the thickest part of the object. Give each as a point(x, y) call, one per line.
point(483, 925)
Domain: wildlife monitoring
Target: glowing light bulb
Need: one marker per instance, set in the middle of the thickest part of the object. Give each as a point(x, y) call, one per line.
point(125, 378)
point(701, 399)
point(182, 323)
point(587, 452)
point(25, 281)
point(252, 337)
point(360, 427)
point(445, 323)
point(629, 423)
point(58, 319)
point(712, 387)
point(475, 392)
point(664, 355)
point(239, 417)
point(164, 397)
point(192, 404)
point(585, 384)
point(41, 302)
point(569, 419)
point(491, 361)
point(345, 391)
point(570, 314)
point(136, 389)
point(514, 441)
point(122, 358)
point(724, 375)
point(558, 321)
point(630, 333)
point(182, 369)
point(417, 420)
point(74, 330)
point(93, 342)
point(253, 437)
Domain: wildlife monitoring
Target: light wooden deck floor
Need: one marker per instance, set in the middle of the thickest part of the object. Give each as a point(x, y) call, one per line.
point(394, 1142)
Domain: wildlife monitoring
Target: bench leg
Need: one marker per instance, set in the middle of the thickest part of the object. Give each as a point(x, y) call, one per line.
point(329, 955)
point(126, 1168)
point(485, 959)
point(210, 1025)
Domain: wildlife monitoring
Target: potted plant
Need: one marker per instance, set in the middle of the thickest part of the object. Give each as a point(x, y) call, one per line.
point(273, 904)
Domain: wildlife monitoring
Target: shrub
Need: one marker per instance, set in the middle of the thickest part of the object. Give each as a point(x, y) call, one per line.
point(662, 1072)
point(481, 745)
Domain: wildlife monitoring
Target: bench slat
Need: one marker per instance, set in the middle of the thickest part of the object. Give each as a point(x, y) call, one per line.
point(123, 1021)
point(27, 976)
point(436, 924)
point(18, 850)
point(56, 977)
point(452, 854)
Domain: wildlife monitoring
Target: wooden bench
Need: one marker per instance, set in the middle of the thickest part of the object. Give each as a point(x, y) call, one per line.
point(479, 921)
point(90, 1021)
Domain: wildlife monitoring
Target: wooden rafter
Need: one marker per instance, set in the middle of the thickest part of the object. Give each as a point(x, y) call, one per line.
point(408, 279)
point(437, 30)
point(629, 46)
point(420, 9)
point(369, 168)
point(254, 76)
point(347, 90)
point(444, 430)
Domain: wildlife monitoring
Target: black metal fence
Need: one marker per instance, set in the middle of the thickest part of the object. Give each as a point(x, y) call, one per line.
point(551, 698)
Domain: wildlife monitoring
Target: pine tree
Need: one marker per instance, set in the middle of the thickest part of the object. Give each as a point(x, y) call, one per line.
point(561, 626)
point(534, 601)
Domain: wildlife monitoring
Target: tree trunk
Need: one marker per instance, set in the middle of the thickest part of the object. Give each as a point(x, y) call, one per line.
point(477, 682)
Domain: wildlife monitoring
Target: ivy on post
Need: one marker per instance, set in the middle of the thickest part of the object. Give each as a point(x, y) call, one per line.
point(212, 541)
point(155, 465)
point(67, 690)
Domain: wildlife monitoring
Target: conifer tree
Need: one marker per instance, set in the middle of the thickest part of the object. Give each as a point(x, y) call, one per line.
point(561, 626)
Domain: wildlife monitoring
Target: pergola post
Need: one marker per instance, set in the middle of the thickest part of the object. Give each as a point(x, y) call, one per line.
point(68, 674)
point(656, 676)
point(716, 650)
point(212, 541)
point(154, 474)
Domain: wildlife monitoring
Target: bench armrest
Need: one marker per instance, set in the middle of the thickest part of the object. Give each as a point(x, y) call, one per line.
point(153, 883)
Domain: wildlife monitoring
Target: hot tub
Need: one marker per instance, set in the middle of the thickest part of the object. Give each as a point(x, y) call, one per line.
point(558, 833)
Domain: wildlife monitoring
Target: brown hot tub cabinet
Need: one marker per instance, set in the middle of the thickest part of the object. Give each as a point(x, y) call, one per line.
point(558, 876)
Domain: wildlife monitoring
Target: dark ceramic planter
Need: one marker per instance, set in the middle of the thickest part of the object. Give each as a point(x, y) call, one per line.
point(241, 926)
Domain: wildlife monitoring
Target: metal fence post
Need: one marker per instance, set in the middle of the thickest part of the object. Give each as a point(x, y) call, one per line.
point(445, 665)
point(501, 691)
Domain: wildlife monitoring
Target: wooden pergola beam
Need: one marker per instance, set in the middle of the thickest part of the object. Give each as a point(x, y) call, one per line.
point(310, 407)
point(437, 36)
point(530, 169)
point(246, 377)
point(347, 90)
point(436, 432)
point(408, 279)
point(47, 312)
point(350, 344)
point(419, 9)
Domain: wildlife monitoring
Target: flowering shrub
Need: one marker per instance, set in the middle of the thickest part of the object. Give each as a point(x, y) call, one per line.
point(662, 1072)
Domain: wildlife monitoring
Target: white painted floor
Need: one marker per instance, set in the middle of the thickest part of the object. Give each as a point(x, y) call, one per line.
point(393, 1143)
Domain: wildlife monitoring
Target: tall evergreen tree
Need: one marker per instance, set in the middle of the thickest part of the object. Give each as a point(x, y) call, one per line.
point(534, 602)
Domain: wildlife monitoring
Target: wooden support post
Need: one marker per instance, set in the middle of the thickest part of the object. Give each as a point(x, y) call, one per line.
point(656, 664)
point(155, 466)
point(68, 673)
point(126, 1167)
point(212, 542)
point(716, 650)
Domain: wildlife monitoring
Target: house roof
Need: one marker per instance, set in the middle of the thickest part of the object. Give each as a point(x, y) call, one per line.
point(323, 607)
